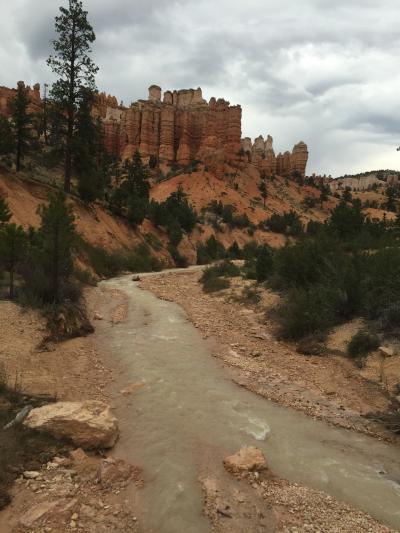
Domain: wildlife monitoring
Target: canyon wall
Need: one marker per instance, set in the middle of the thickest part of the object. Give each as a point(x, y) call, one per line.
point(261, 154)
point(180, 127)
point(7, 96)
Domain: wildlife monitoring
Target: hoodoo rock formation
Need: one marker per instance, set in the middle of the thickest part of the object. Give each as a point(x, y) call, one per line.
point(261, 154)
point(7, 96)
point(181, 127)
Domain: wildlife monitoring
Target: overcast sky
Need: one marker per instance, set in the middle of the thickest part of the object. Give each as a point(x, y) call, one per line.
point(322, 71)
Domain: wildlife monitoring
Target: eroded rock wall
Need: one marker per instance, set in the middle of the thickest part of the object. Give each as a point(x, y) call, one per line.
point(7, 96)
point(181, 127)
point(261, 154)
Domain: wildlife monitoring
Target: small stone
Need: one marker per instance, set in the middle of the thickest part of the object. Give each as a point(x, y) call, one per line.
point(75, 516)
point(385, 351)
point(29, 474)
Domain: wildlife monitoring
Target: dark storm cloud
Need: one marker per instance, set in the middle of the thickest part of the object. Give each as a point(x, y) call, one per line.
point(322, 71)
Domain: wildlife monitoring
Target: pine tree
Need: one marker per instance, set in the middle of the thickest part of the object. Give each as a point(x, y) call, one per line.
point(6, 137)
point(12, 250)
point(262, 187)
point(234, 252)
point(5, 213)
point(21, 122)
point(86, 142)
point(57, 232)
point(75, 69)
point(138, 178)
point(264, 263)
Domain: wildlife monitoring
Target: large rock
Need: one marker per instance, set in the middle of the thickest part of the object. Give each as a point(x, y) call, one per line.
point(247, 459)
point(89, 424)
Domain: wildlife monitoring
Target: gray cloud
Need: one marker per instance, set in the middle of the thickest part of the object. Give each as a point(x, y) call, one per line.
point(321, 71)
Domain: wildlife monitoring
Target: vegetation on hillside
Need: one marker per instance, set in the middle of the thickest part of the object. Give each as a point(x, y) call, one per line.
point(348, 267)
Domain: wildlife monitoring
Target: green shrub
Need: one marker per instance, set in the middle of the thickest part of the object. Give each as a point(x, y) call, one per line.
point(264, 263)
point(234, 252)
point(210, 251)
point(225, 269)
point(249, 295)
point(153, 241)
point(287, 223)
point(213, 277)
point(362, 343)
point(308, 311)
point(216, 284)
point(110, 264)
point(180, 260)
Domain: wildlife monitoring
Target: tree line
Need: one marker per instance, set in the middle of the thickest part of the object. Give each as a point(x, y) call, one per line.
point(41, 258)
point(71, 135)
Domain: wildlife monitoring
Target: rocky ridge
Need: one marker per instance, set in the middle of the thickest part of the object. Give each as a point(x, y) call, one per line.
point(7, 96)
point(262, 155)
point(179, 127)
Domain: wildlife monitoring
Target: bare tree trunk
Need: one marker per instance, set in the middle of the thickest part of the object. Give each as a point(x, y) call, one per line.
point(11, 284)
point(18, 157)
point(68, 152)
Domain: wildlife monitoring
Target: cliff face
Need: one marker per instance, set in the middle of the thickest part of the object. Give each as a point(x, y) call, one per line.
point(261, 154)
point(181, 127)
point(7, 96)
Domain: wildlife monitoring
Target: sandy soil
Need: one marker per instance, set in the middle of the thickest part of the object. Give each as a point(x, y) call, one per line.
point(330, 388)
point(262, 502)
point(70, 370)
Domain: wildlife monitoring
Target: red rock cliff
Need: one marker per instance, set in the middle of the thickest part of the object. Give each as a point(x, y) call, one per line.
point(181, 127)
point(7, 96)
point(261, 154)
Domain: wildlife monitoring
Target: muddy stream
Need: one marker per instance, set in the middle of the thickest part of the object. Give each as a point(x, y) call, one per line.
point(186, 415)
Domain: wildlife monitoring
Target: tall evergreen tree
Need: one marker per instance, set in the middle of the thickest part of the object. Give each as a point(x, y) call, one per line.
point(262, 187)
point(86, 142)
point(57, 232)
point(21, 122)
point(5, 213)
point(75, 69)
point(6, 137)
point(12, 250)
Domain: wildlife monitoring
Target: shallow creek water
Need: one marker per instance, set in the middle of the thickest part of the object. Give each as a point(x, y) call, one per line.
point(188, 404)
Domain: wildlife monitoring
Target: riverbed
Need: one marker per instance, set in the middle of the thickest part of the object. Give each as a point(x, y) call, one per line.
point(187, 415)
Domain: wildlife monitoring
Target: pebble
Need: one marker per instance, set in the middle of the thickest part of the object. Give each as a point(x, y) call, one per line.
point(31, 474)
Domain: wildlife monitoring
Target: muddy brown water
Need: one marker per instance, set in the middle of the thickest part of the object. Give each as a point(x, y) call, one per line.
point(186, 403)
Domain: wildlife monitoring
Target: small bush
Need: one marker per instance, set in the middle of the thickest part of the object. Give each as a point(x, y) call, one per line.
point(213, 277)
point(215, 284)
point(362, 343)
point(180, 260)
point(250, 295)
point(264, 263)
point(225, 269)
point(287, 223)
point(308, 311)
point(210, 251)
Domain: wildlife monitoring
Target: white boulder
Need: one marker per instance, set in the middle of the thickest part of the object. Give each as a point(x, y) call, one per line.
point(89, 424)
